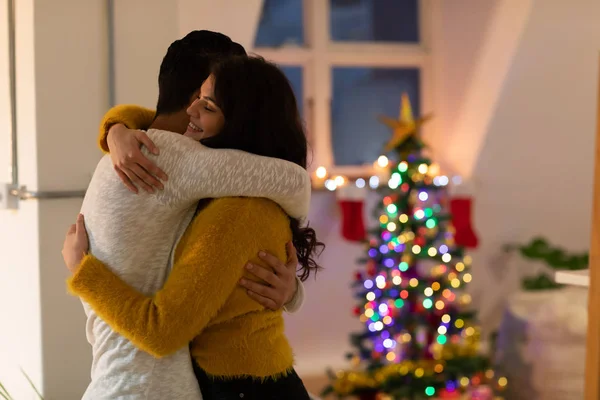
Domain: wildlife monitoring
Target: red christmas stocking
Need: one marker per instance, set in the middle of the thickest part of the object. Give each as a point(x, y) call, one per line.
point(351, 201)
point(353, 225)
point(460, 208)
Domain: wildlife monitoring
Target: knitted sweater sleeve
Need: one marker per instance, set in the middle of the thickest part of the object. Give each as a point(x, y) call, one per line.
point(296, 303)
point(132, 116)
point(198, 172)
point(209, 262)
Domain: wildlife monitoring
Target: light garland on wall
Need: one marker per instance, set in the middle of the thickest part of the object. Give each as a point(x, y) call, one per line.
point(322, 179)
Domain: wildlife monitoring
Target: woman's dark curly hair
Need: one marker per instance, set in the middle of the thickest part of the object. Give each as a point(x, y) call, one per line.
point(261, 117)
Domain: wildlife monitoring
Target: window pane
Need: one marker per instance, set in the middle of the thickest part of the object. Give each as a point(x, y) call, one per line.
point(375, 20)
point(360, 95)
point(294, 75)
point(280, 23)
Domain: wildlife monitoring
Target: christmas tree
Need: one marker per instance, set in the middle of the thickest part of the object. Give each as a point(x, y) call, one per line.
point(420, 340)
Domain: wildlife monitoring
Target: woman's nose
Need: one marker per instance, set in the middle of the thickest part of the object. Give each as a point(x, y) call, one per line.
point(192, 110)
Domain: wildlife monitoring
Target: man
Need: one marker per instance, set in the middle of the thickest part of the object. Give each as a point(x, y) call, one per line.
point(135, 235)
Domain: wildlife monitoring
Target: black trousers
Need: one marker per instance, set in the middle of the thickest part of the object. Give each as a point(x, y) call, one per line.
point(289, 387)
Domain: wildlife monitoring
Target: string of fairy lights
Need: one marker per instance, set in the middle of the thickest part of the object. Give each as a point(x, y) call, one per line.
point(379, 173)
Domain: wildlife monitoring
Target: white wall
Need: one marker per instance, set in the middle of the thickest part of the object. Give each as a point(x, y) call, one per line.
point(143, 30)
point(535, 167)
point(237, 19)
point(5, 125)
point(62, 93)
point(517, 92)
point(20, 332)
point(478, 45)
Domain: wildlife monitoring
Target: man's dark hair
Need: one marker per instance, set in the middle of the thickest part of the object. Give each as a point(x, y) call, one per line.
point(187, 64)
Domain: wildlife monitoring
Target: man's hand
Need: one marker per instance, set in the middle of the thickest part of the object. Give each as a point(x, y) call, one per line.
point(281, 284)
point(129, 162)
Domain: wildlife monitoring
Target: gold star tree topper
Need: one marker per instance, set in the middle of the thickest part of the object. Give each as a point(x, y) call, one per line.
point(405, 126)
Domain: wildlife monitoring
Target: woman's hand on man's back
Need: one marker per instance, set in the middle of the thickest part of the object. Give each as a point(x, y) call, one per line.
point(132, 166)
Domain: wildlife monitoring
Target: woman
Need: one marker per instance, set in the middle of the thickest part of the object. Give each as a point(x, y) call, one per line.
point(239, 348)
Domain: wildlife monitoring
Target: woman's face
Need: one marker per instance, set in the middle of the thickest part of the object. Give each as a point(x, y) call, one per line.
point(206, 118)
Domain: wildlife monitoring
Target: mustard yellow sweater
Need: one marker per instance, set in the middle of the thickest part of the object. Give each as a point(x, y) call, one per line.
point(132, 116)
point(201, 301)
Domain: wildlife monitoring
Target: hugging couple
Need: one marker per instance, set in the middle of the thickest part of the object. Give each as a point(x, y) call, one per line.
point(184, 281)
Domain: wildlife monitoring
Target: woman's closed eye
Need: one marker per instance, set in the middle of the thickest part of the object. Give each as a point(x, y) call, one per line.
point(204, 104)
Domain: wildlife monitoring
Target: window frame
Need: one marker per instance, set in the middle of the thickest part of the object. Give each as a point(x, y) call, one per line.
point(319, 55)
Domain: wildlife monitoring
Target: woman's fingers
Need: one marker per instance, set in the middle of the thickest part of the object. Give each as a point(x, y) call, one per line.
point(273, 262)
point(153, 171)
point(143, 138)
point(138, 175)
point(273, 294)
point(262, 300)
point(145, 163)
point(264, 274)
point(125, 179)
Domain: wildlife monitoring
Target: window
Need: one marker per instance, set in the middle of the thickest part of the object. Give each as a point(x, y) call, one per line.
point(349, 61)
point(374, 20)
point(280, 24)
point(360, 95)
